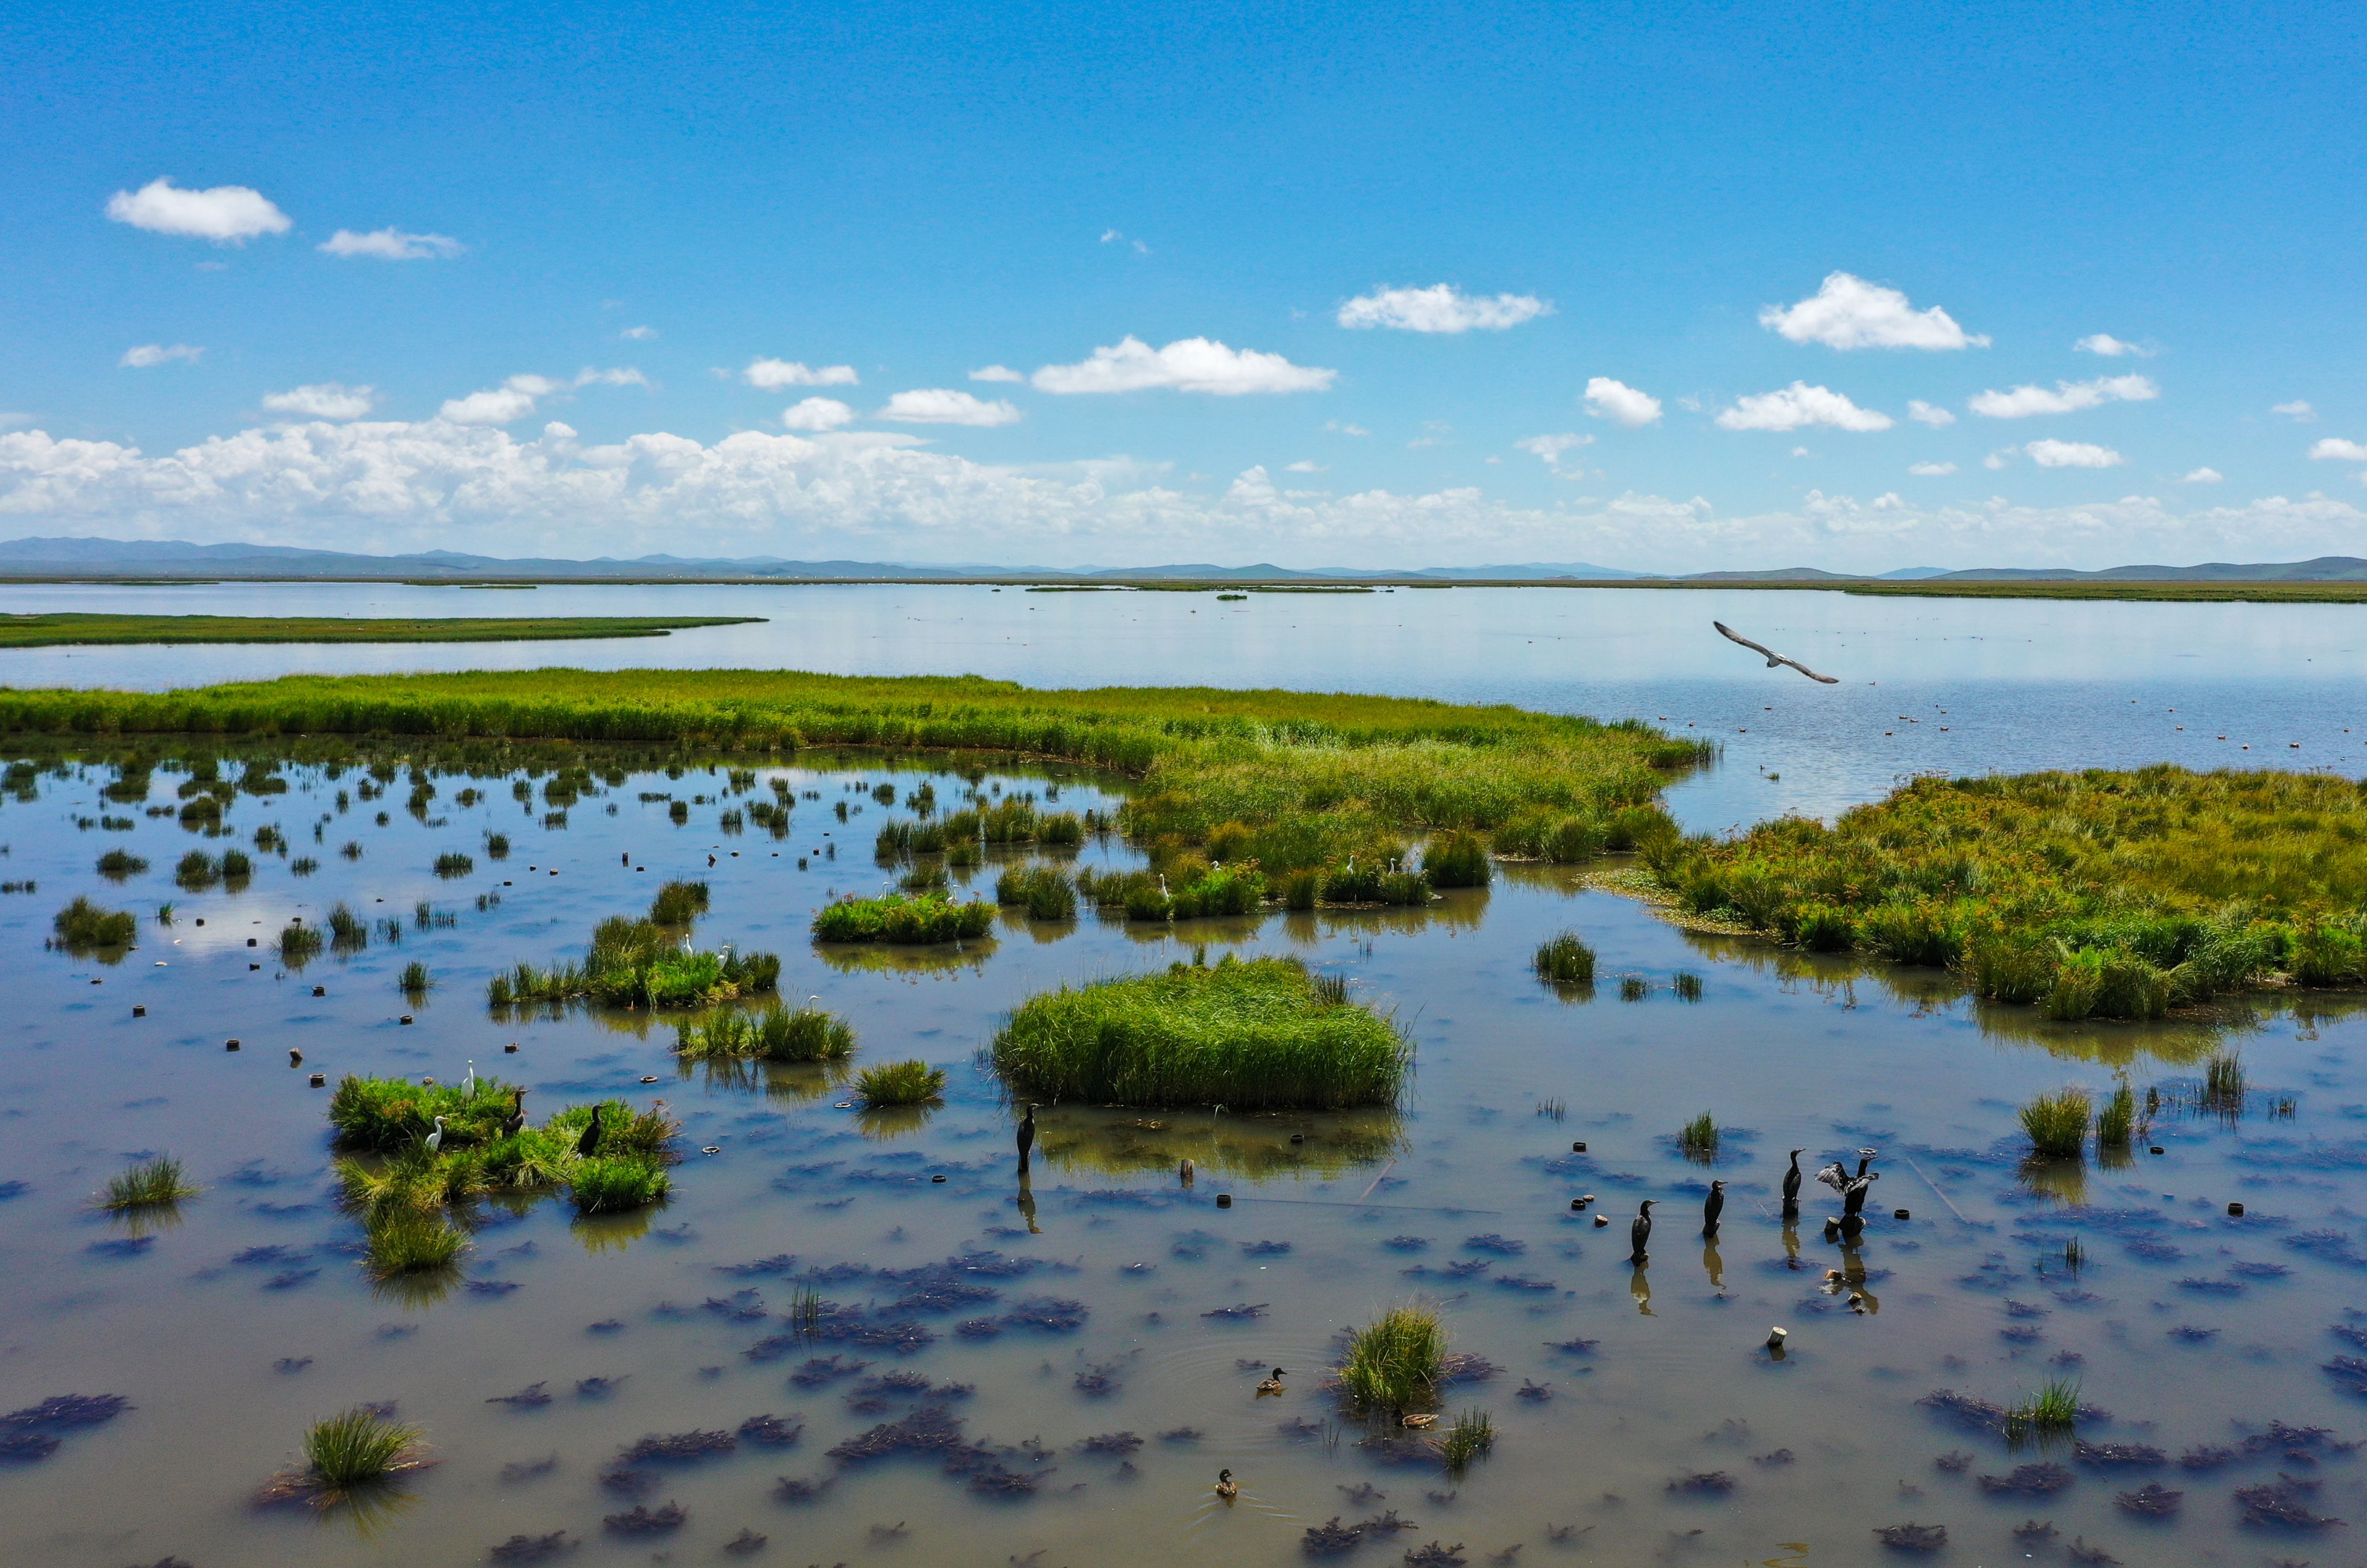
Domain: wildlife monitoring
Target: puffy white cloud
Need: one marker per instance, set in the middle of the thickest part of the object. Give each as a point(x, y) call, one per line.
point(390, 245)
point(1441, 308)
point(2337, 448)
point(1797, 406)
point(996, 372)
point(1850, 313)
point(622, 375)
point(228, 215)
point(1307, 466)
point(1551, 447)
point(1931, 414)
point(2112, 347)
point(2202, 477)
point(1607, 399)
point(1338, 428)
point(771, 374)
point(148, 355)
point(516, 398)
point(2297, 411)
point(638, 335)
point(1187, 365)
point(2053, 453)
point(943, 405)
point(2068, 396)
point(322, 399)
point(1930, 470)
point(2000, 458)
point(817, 414)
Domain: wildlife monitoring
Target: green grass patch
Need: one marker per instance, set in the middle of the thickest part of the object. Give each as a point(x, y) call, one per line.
point(2053, 1408)
point(907, 919)
point(1473, 1436)
point(900, 1083)
point(1260, 1035)
point(2056, 1124)
point(118, 865)
point(1457, 860)
point(678, 903)
point(84, 927)
point(1045, 892)
point(79, 629)
point(148, 1184)
point(1394, 1363)
point(610, 1184)
point(2117, 1120)
point(356, 1449)
point(1697, 1139)
point(1564, 960)
point(402, 1239)
point(640, 964)
point(776, 1034)
point(298, 943)
point(452, 863)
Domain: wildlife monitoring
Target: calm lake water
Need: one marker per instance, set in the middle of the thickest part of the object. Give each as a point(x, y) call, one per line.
point(1638, 1416)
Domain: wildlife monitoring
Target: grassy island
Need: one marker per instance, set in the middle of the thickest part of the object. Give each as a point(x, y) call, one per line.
point(908, 919)
point(1261, 1035)
point(2097, 894)
point(81, 630)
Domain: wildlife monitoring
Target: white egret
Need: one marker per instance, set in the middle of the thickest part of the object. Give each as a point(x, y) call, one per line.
point(435, 1138)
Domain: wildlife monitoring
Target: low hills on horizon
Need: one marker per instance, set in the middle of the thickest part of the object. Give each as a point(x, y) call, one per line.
point(177, 560)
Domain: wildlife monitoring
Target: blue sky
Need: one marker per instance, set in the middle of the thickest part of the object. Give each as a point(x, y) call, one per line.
point(582, 251)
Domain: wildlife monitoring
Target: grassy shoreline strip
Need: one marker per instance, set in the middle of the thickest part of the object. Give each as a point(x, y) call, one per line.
point(83, 629)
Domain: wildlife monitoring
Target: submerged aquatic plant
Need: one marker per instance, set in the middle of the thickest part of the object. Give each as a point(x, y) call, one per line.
point(2058, 1123)
point(900, 1083)
point(83, 927)
point(1697, 1139)
point(1565, 960)
point(149, 1184)
point(1395, 1361)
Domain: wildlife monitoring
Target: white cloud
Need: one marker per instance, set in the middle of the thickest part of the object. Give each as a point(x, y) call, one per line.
point(942, 405)
point(1930, 470)
point(322, 399)
point(1931, 414)
point(1551, 447)
point(1187, 365)
point(996, 372)
point(516, 398)
point(2112, 347)
point(391, 245)
point(2337, 448)
point(771, 374)
point(1337, 428)
point(2202, 477)
point(1112, 237)
point(1801, 452)
point(2298, 411)
point(148, 355)
point(1607, 399)
point(817, 414)
point(2069, 397)
point(623, 375)
point(228, 215)
point(638, 335)
point(2053, 454)
point(1850, 313)
point(1799, 405)
point(1441, 308)
point(1307, 466)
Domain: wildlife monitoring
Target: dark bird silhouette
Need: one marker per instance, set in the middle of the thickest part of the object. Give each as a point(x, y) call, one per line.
point(1792, 1184)
point(589, 1142)
point(515, 1122)
point(1865, 1158)
point(1640, 1233)
point(1027, 1134)
point(1712, 1207)
point(1772, 659)
point(1835, 1176)
point(1853, 1195)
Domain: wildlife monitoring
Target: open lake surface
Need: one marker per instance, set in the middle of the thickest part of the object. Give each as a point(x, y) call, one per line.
point(1102, 1326)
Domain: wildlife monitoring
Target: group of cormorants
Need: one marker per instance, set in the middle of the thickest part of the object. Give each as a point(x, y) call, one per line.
point(1836, 1176)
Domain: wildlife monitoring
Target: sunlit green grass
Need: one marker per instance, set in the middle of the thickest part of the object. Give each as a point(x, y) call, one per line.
point(2058, 1123)
point(149, 1184)
point(1394, 1363)
point(900, 1083)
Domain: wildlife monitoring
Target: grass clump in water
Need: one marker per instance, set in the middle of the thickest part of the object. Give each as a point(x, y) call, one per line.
point(400, 1239)
point(452, 863)
point(776, 1034)
point(2117, 1120)
point(900, 1083)
point(2222, 1081)
point(1262, 1035)
point(358, 1448)
point(2054, 1409)
point(299, 941)
point(1046, 892)
point(609, 1184)
point(678, 903)
point(903, 920)
point(639, 964)
point(1697, 1139)
point(1565, 960)
point(84, 927)
point(1395, 1363)
point(149, 1184)
point(2058, 1123)
point(1473, 1436)
point(1457, 860)
point(415, 981)
point(118, 865)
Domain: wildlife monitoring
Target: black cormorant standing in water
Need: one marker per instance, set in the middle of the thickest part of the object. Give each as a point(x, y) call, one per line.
point(1027, 1134)
point(1792, 1184)
point(1713, 1207)
point(1640, 1233)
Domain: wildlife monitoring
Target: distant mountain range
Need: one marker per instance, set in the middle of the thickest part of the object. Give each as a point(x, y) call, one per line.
point(174, 559)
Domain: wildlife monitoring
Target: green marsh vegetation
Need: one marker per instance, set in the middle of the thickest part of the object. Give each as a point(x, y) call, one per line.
point(641, 963)
point(414, 981)
point(678, 903)
point(1473, 1436)
point(452, 863)
point(1190, 888)
point(776, 1034)
point(298, 943)
point(1394, 1363)
point(2093, 894)
point(64, 629)
point(2052, 1410)
point(908, 920)
point(1258, 1035)
point(1103, 1141)
point(1697, 1139)
point(2056, 1124)
point(2117, 1123)
point(353, 1465)
point(2223, 1082)
point(1565, 960)
point(82, 927)
point(1045, 892)
point(148, 1184)
point(900, 1083)
point(119, 866)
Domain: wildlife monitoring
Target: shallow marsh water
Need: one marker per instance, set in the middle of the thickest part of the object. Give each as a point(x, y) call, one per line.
point(247, 1318)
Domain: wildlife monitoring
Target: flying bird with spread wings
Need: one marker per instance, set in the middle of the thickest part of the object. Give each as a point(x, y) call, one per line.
point(1772, 659)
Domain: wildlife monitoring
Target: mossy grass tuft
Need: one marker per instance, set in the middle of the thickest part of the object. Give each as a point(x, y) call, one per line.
point(2058, 1123)
point(415, 981)
point(1565, 960)
point(1045, 892)
point(149, 1184)
point(641, 963)
point(356, 1449)
point(404, 1239)
point(84, 927)
point(678, 903)
point(900, 1083)
point(1473, 1436)
point(608, 1184)
point(1697, 1139)
point(776, 1034)
point(904, 920)
point(118, 865)
point(1263, 1035)
point(1394, 1363)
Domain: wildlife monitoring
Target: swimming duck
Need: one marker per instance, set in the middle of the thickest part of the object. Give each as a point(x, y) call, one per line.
point(1227, 1488)
point(1271, 1385)
point(1418, 1421)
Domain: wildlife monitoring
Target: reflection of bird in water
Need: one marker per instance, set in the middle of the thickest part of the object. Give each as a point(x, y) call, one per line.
point(1791, 1243)
point(1792, 1184)
point(435, 1138)
point(1640, 1233)
point(1027, 1134)
point(1227, 1488)
point(1026, 1201)
point(1712, 1207)
point(1713, 1265)
point(1271, 1385)
point(589, 1142)
point(1639, 1286)
point(1772, 659)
